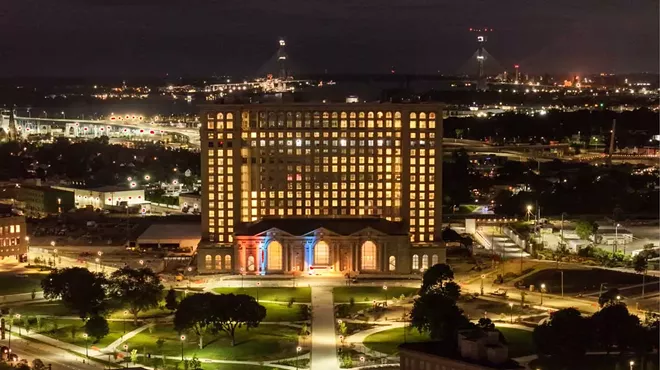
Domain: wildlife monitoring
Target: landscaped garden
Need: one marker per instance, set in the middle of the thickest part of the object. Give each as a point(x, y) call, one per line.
point(13, 283)
point(279, 294)
point(264, 343)
point(368, 294)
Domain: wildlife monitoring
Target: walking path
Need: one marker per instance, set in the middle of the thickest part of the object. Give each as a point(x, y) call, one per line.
point(113, 346)
point(324, 351)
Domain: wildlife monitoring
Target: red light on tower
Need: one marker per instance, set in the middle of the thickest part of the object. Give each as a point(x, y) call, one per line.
point(516, 66)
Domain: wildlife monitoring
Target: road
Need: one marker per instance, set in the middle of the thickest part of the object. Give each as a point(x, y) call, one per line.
point(59, 359)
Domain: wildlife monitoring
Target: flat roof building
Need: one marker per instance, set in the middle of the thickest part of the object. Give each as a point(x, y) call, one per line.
point(12, 236)
point(323, 161)
point(105, 196)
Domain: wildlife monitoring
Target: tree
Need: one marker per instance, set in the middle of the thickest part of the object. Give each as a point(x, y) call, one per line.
point(565, 336)
point(614, 326)
point(641, 265)
point(439, 316)
point(234, 311)
point(610, 296)
point(97, 327)
point(195, 313)
point(140, 289)
point(485, 323)
point(37, 364)
point(585, 229)
point(79, 289)
point(440, 278)
point(171, 302)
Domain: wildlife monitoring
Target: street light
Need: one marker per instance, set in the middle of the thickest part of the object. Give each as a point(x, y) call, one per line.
point(511, 310)
point(631, 363)
point(141, 262)
point(529, 211)
point(616, 238)
point(483, 276)
point(385, 289)
point(258, 285)
point(183, 338)
point(86, 348)
point(125, 314)
point(97, 260)
point(542, 291)
point(298, 349)
point(126, 350)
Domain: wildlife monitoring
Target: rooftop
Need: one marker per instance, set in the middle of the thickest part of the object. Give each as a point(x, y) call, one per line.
point(304, 225)
point(101, 189)
point(171, 232)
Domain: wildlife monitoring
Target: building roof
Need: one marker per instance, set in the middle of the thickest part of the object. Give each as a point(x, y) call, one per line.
point(101, 189)
point(443, 350)
point(304, 225)
point(170, 232)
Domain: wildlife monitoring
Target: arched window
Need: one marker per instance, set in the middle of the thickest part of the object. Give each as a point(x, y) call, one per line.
point(321, 253)
point(274, 255)
point(415, 264)
point(368, 256)
point(220, 116)
point(392, 263)
point(425, 261)
point(218, 262)
point(208, 263)
point(228, 262)
point(250, 263)
point(434, 260)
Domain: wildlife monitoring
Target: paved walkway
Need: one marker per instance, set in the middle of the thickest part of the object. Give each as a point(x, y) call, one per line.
point(113, 346)
point(324, 350)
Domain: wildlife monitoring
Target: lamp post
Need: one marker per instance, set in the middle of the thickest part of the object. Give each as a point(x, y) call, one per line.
point(483, 276)
point(511, 311)
point(385, 290)
point(298, 349)
point(631, 363)
point(616, 238)
point(183, 339)
point(529, 211)
point(98, 261)
point(11, 325)
point(124, 320)
point(542, 291)
point(85, 335)
point(126, 350)
point(258, 285)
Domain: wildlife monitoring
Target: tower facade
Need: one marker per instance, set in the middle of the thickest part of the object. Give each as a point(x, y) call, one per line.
point(357, 173)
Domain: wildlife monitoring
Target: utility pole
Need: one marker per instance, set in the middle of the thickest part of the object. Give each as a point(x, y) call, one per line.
point(612, 135)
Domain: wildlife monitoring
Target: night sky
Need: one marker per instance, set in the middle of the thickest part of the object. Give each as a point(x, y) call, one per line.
point(203, 37)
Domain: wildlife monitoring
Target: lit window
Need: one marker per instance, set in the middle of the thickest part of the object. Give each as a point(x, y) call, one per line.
point(434, 260)
point(218, 262)
point(321, 253)
point(368, 256)
point(228, 262)
point(274, 256)
point(208, 262)
point(425, 261)
point(415, 262)
point(250, 263)
point(392, 263)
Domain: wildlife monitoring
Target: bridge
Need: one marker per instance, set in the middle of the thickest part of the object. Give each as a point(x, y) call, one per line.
point(97, 128)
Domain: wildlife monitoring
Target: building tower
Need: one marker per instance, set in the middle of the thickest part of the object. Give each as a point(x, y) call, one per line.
point(12, 126)
point(481, 56)
point(517, 79)
point(282, 66)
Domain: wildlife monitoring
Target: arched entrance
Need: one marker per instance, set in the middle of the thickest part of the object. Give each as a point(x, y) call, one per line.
point(368, 254)
point(274, 256)
point(321, 253)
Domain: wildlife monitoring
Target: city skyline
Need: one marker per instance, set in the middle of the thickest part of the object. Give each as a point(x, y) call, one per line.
point(176, 38)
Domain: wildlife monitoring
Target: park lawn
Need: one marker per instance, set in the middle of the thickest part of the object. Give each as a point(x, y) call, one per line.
point(43, 308)
point(173, 365)
point(272, 293)
point(586, 280)
point(519, 341)
point(62, 332)
point(150, 313)
point(266, 342)
point(12, 284)
point(367, 294)
point(388, 341)
point(276, 312)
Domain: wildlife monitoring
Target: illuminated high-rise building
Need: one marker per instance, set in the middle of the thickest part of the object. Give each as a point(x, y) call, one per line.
point(321, 187)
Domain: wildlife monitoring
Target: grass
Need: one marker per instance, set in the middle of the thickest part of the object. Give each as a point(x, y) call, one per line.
point(276, 312)
point(47, 308)
point(12, 284)
point(173, 365)
point(519, 341)
point(387, 341)
point(367, 294)
point(271, 294)
point(60, 329)
point(267, 342)
point(586, 280)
